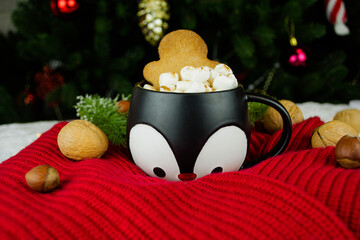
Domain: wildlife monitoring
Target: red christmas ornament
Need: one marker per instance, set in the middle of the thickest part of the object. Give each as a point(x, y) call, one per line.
point(47, 80)
point(26, 97)
point(29, 99)
point(296, 59)
point(63, 7)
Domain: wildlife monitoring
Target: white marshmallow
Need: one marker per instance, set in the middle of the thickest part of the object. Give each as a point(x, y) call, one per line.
point(223, 69)
point(195, 87)
point(149, 87)
point(213, 75)
point(168, 80)
point(205, 68)
point(190, 73)
point(223, 82)
point(193, 80)
point(231, 75)
point(186, 72)
point(183, 85)
point(202, 74)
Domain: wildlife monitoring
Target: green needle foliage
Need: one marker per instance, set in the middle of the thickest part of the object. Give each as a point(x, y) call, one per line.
point(256, 111)
point(103, 113)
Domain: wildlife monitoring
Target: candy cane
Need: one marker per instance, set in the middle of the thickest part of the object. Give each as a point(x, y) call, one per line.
point(336, 14)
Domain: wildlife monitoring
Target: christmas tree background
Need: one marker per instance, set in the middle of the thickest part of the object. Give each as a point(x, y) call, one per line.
point(49, 59)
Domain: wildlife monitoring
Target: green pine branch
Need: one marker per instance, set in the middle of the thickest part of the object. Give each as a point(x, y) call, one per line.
point(103, 113)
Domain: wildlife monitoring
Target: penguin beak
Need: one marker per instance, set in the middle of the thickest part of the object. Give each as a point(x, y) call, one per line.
point(187, 176)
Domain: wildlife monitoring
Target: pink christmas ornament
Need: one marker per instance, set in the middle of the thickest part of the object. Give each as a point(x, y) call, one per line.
point(336, 14)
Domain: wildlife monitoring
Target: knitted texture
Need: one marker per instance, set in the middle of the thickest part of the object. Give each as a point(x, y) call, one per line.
point(300, 194)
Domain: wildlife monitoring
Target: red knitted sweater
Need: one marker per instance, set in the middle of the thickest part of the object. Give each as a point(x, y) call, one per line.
point(300, 194)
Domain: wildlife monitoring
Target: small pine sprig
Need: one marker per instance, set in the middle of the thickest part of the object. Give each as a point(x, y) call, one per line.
point(103, 113)
point(256, 111)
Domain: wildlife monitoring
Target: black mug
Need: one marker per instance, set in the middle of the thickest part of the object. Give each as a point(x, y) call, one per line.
point(184, 136)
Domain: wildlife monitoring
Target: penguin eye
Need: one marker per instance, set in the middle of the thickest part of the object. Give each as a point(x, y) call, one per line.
point(152, 153)
point(224, 151)
point(217, 170)
point(159, 172)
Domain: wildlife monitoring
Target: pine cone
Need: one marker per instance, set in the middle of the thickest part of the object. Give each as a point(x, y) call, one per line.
point(153, 15)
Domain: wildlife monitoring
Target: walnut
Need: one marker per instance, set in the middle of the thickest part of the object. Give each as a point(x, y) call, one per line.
point(273, 121)
point(80, 139)
point(330, 133)
point(349, 116)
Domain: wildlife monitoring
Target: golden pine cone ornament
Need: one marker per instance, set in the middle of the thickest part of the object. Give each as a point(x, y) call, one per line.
point(153, 15)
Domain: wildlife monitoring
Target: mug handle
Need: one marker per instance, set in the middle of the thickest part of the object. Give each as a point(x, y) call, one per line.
point(287, 127)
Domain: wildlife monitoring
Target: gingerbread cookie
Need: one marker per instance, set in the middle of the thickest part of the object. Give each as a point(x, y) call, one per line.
point(178, 49)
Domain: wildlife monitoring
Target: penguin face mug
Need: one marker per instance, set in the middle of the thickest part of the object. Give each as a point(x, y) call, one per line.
point(185, 136)
point(190, 117)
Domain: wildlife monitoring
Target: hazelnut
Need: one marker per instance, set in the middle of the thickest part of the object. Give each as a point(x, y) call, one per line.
point(123, 106)
point(42, 178)
point(349, 116)
point(273, 121)
point(347, 151)
point(330, 133)
point(80, 139)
